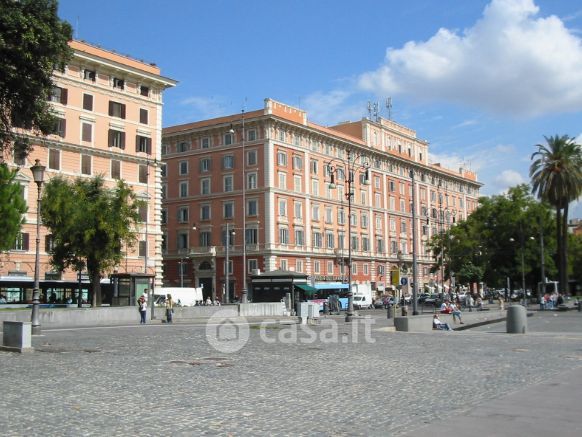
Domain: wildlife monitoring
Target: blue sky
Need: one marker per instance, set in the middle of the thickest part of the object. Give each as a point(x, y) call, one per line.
point(482, 80)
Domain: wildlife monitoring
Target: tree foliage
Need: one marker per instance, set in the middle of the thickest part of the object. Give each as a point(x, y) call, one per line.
point(481, 247)
point(12, 207)
point(33, 43)
point(90, 225)
point(556, 175)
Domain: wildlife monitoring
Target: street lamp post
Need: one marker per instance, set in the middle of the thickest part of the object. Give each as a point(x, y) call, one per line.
point(38, 175)
point(351, 168)
point(414, 243)
point(181, 263)
point(226, 266)
point(522, 250)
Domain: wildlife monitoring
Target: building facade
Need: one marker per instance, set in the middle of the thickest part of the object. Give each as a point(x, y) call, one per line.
point(109, 110)
point(285, 185)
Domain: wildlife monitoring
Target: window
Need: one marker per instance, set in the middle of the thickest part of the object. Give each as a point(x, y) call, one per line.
point(54, 159)
point(228, 162)
point(163, 170)
point(364, 220)
point(251, 181)
point(355, 242)
point(164, 216)
point(115, 169)
point(184, 189)
point(116, 138)
point(392, 186)
point(252, 207)
point(330, 267)
point(377, 182)
point(402, 205)
point(228, 184)
point(403, 227)
point(354, 219)
point(118, 83)
point(143, 213)
point(164, 150)
point(328, 214)
point(205, 186)
point(183, 214)
point(329, 240)
point(282, 158)
point(315, 187)
point(313, 166)
point(298, 210)
point(365, 244)
point(205, 164)
point(252, 236)
point(143, 174)
point(283, 236)
point(183, 168)
point(316, 239)
point(142, 246)
point(393, 247)
point(228, 210)
point(87, 102)
point(282, 208)
point(228, 138)
point(182, 241)
point(205, 212)
point(341, 216)
point(297, 163)
point(183, 147)
point(116, 109)
point(299, 237)
point(49, 243)
point(315, 213)
point(85, 164)
point(143, 144)
point(21, 242)
point(89, 75)
point(143, 116)
point(316, 266)
point(205, 238)
point(283, 264)
point(144, 91)
point(86, 132)
point(253, 264)
point(282, 135)
point(58, 95)
point(282, 180)
point(299, 265)
point(60, 127)
point(252, 157)
point(252, 135)
point(205, 143)
point(297, 183)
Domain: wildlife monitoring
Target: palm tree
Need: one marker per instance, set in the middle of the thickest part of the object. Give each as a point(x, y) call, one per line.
point(556, 176)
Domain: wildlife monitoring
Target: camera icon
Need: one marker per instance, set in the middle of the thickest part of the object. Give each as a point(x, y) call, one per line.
point(226, 331)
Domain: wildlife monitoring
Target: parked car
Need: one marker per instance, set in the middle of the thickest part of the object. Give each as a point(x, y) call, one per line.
point(379, 303)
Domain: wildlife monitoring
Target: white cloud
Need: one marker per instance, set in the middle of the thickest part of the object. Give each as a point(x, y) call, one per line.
point(510, 61)
point(332, 107)
point(204, 107)
point(510, 178)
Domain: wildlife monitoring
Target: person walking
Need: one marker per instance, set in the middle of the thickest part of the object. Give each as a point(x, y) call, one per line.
point(469, 302)
point(169, 308)
point(142, 307)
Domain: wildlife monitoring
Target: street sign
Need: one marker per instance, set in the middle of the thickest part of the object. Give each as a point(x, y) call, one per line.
point(403, 281)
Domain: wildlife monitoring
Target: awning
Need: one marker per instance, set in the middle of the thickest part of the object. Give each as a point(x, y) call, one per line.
point(308, 289)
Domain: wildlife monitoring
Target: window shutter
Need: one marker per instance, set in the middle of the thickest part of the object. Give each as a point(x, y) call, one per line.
point(110, 108)
point(110, 138)
point(137, 143)
point(122, 146)
point(25, 241)
point(123, 111)
point(47, 243)
point(63, 131)
point(64, 95)
point(149, 146)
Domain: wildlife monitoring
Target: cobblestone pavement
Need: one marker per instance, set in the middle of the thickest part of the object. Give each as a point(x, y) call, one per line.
point(167, 380)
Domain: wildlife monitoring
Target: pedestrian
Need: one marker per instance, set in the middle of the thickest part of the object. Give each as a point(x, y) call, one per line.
point(208, 301)
point(142, 307)
point(441, 326)
point(456, 314)
point(542, 303)
point(169, 308)
point(469, 302)
point(501, 304)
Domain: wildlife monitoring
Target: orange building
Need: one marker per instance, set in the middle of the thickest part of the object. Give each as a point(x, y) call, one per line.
point(265, 176)
point(109, 110)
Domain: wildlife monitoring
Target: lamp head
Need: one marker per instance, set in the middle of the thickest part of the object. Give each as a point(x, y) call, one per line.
point(38, 172)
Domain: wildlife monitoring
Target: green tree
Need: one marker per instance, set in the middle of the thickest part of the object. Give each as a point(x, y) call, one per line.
point(12, 207)
point(556, 175)
point(33, 43)
point(90, 225)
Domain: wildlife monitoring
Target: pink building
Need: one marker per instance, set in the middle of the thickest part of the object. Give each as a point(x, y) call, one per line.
point(263, 177)
point(110, 120)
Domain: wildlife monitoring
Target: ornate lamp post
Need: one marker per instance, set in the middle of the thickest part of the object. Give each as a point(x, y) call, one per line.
point(38, 175)
point(350, 167)
point(229, 233)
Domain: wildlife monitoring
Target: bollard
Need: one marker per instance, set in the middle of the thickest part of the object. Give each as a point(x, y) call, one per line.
point(389, 312)
point(579, 305)
point(516, 322)
point(404, 311)
point(325, 308)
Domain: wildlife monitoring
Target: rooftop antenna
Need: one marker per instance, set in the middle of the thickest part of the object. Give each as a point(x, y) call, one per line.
point(376, 112)
point(389, 107)
point(369, 110)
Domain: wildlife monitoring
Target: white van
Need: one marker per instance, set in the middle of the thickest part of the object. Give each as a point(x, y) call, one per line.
point(362, 301)
point(184, 296)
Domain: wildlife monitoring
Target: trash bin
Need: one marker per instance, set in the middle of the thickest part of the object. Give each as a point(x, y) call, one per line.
point(516, 322)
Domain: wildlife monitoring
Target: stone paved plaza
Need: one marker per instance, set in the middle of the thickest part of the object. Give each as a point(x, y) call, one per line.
point(167, 379)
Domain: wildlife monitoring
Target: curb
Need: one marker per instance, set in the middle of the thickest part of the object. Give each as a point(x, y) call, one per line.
point(485, 322)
